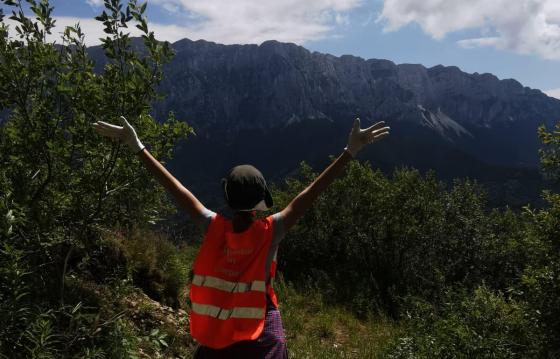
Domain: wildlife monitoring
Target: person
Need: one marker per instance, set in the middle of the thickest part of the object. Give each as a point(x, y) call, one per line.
point(234, 310)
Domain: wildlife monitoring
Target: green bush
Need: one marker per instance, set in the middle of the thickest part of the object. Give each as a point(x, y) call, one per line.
point(15, 298)
point(540, 284)
point(157, 265)
point(370, 239)
point(481, 324)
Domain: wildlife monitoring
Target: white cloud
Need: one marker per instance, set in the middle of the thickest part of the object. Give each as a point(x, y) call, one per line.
point(480, 41)
point(342, 19)
point(522, 26)
point(254, 21)
point(553, 93)
point(95, 3)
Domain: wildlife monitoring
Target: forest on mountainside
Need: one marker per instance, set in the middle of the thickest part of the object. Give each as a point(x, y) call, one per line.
point(398, 266)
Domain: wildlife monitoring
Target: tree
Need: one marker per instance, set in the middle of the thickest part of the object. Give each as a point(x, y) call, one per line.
point(61, 185)
point(541, 280)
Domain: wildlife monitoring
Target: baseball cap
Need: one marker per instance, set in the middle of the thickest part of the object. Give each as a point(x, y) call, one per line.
point(245, 189)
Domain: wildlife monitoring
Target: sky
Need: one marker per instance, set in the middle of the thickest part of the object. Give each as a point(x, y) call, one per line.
point(517, 39)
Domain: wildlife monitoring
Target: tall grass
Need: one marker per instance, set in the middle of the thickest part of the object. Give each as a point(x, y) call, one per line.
point(315, 329)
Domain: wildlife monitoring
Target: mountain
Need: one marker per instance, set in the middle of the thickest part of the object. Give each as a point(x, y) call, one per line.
point(276, 104)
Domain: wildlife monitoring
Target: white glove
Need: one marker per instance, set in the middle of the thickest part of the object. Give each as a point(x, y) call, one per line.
point(358, 138)
point(124, 133)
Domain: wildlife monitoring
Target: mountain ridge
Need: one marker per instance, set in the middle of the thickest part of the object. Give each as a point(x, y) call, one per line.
point(235, 95)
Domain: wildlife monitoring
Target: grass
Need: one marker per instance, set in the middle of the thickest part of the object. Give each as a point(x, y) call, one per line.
point(317, 330)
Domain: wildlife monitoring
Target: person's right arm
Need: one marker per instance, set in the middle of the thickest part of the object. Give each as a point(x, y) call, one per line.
point(183, 196)
point(185, 199)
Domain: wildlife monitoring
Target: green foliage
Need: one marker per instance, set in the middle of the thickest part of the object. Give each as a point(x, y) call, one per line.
point(550, 153)
point(15, 309)
point(377, 239)
point(487, 324)
point(53, 161)
point(157, 339)
point(159, 267)
point(122, 342)
point(481, 324)
point(41, 339)
point(62, 186)
point(540, 285)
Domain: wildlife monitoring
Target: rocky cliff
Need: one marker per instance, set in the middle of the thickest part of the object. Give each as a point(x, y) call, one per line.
point(222, 90)
point(276, 104)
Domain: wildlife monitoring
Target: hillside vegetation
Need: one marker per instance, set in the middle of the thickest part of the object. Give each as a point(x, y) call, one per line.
point(399, 266)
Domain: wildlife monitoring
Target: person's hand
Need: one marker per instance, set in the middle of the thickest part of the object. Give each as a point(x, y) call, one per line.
point(124, 133)
point(358, 138)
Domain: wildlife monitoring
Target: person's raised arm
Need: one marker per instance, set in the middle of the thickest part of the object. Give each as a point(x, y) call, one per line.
point(183, 196)
point(357, 139)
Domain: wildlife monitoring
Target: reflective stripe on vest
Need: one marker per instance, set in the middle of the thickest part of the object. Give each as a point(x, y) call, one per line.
point(224, 314)
point(227, 286)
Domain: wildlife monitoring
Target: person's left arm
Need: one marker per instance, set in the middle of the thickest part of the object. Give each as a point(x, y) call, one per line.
point(357, 139)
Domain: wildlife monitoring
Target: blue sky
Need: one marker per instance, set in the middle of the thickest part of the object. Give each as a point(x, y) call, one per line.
point(510, 38)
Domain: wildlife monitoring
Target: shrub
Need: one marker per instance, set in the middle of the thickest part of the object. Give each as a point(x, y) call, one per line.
point(370, 240)
point(540, 284)
point(480, 324)
point(158, 266)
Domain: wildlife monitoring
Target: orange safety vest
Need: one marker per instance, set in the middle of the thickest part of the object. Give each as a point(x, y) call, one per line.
point(228, 291)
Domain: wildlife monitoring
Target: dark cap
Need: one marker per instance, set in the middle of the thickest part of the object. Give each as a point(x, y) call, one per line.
point(245, 189)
